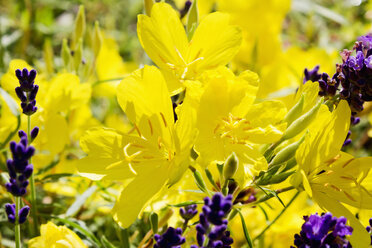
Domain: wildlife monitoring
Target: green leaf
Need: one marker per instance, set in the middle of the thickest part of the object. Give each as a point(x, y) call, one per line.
point(106, 243)
point(183, 204)
point(246, 234)
point(80, 200)
point(154, 221)
point(264, 212)
point(12, 104)
point(192, 19)
point(56, 177)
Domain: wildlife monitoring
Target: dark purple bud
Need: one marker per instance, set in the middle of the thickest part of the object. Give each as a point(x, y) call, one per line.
point(18, 73)
point(24, 140)
point(21, 95)
point(23, 213)
point(29, 152)
point(10, 212)
point(12, 146)
point(34, 133)
point(33, 93)
point(22, 133)
point(11, 169)
point(28, 170)
point(347, 142)
point(25, 184)
point(32, 75)
point(24, 73)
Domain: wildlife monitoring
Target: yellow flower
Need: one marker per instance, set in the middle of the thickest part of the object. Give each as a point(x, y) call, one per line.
point(228, 121)
point(331, 177)
point(110, 65)
point(163, 37)
point(156, 157)
point(261, 24)
point(56, 237)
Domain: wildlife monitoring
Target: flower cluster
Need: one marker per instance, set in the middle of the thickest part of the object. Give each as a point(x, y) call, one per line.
point(211, 230)
point(10, 210)
point(323, 231)
point(18, 167)
point(188, 212)
point(353, 78)
point(27, 90)
point(172, 238)
point(19, 171)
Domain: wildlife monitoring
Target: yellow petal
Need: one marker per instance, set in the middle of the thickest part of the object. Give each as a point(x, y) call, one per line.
point(144, 95)
point(104, 148)
point(138, 194)
point(163, 36)
point(215, 41)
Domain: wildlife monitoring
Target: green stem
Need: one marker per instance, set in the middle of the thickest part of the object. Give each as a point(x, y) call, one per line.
point(269, 196)
point(17, 227)
point(277, 217)
point(32, 185)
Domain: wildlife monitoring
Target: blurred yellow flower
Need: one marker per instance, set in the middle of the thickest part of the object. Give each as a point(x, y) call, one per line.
point(56, 237)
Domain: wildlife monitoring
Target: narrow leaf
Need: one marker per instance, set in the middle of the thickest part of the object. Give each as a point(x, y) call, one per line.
point(246, 234)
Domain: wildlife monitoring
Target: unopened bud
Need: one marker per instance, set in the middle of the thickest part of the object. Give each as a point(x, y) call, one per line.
point(97, 39)
point(79, 27)
point(154, 220)
point(34, 133)
point(200, 182)
point(302, 122)
point(230, 166)
point(65, 53)
point(78, 55)
point(287, 153)
point(295, 111)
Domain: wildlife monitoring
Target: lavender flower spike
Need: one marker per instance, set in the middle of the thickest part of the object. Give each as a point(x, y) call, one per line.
point(323, 231)
point(27, 90)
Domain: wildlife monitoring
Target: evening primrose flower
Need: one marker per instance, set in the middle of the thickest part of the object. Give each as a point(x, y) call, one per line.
point(331, 177)
point(228, 121)
point(56, 237)
point(157, 156)
point(164, 39)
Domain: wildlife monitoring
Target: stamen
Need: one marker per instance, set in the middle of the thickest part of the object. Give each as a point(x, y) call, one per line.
point(162, 116)
point(152, 131)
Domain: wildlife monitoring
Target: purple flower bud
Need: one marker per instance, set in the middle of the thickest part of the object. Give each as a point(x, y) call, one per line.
point(28, 170)
point(34, 133)
point(22, 214)
point(10, 212)
point(21, 95)
point(33, 93)
point(171, 238)
point(188, 212)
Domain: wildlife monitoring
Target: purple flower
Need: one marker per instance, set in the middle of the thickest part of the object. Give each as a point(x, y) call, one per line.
point(213, 223)
point(172, 238)
point(323, 231)
point(18, 167)
point(312, 75)
point(10, 210)
point(188, 212)
point(27, 90)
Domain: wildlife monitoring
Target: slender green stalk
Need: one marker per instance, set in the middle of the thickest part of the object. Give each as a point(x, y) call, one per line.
point(277, 217)
point(17, 226)
point(269, 196)
point(32, 185)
